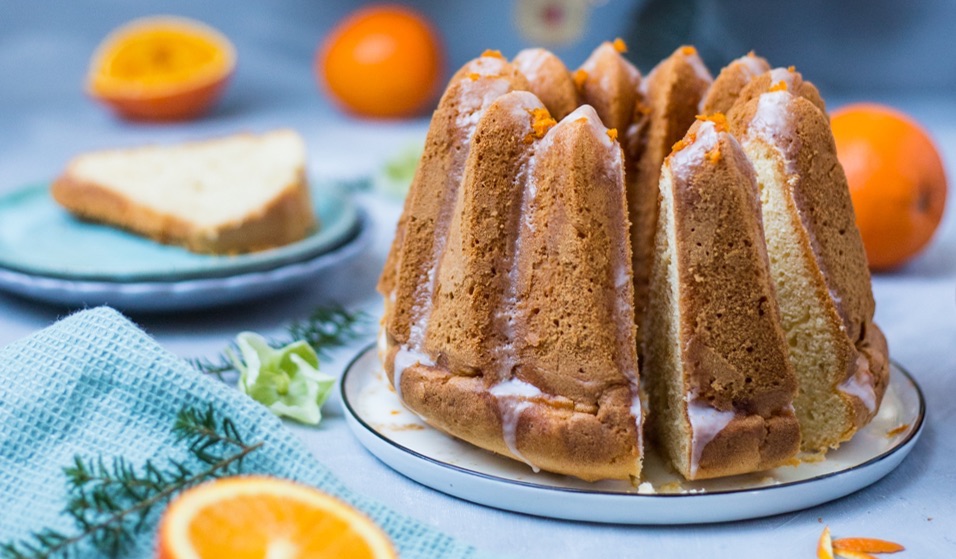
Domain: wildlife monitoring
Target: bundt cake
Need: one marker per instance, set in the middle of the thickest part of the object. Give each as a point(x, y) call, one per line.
point(557, 217)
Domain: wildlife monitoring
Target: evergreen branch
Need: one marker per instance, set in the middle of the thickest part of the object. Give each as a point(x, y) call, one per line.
point(325, 329)
point(111, 502)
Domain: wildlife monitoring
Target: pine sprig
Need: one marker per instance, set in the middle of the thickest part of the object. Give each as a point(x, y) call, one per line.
point(111, 501)
point(325, 329)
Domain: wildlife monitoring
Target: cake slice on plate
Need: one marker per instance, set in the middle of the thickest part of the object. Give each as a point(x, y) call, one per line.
point(720, 384)
point(816, 258)
point(235, 194)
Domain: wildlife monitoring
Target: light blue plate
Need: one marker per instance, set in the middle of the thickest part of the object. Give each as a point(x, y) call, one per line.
point(40, 238)
point(188, 294)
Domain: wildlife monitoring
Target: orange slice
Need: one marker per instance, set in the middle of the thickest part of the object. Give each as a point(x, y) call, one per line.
point(825, 545)
point(255, 517)
point(161, 68)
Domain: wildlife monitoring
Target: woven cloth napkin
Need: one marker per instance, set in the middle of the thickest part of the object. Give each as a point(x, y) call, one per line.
point(95, 385)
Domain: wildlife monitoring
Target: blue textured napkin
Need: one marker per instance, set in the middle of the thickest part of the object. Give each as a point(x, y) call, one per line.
point(94, 384)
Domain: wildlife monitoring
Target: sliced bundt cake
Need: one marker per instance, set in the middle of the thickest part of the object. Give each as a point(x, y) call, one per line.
point(816, 259)
point(716, 365)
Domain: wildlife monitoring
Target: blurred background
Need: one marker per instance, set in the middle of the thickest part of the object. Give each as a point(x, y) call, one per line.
point(880, 50)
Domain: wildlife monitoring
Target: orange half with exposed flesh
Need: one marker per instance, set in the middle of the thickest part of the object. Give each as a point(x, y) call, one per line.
point(161, 68)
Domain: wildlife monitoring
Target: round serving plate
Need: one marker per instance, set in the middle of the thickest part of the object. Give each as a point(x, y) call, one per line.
point(408, 445)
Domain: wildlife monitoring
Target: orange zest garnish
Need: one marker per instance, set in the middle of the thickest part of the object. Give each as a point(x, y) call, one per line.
point(643, 108)
point(580, 76)
point(612, 134)
point(713, 155)
point(493, 54)
point(866, 545)
point(683, 143)
point(751, 54)
point(719, 120)
point(897, 430)
point(619, 45)
point(825, 545)
point(541, 122)
point(779, 86)
point(688, 50)
point(791, 69)
point(473, 76)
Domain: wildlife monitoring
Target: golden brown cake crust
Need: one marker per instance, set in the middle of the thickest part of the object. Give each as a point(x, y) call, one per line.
point(793, 81)
point(467, 323)
point(733, 350)
point(287, 218)
point(431, 197)
point(609, 83)
point(549, 433)
point(549, 79)
point(725, 90)
point(673, 92)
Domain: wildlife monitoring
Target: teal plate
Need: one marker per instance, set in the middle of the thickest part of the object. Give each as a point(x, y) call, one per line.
point(40, 238)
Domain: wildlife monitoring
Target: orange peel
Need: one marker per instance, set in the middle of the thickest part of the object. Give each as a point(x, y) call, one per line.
point(866, 545)
point(161, 68)
point(825, 545)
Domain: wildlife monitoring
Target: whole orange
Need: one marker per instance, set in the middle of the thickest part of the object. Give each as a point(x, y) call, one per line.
point(896, 180)
point(381, 61)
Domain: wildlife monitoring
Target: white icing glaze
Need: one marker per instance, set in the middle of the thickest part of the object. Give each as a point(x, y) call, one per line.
point(751, 64)
point(706, 422)
point(861, 384)
point(513, 398)
point(475, 97)
point(515, 388)
point(607, 49)
point(529, 62)
point(771, 122)
point(684, 162)
point(405, 357)
point(784, 75)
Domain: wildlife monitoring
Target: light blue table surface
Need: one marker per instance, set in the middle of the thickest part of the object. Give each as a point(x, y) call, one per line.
point(45, 119)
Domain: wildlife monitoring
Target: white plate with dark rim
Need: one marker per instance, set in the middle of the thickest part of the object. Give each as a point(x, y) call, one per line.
point(405, 443)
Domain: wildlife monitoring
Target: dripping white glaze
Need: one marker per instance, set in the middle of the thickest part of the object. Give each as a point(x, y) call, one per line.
point(514, 397)
point(861, 384)
point(405, 357)
point(784, 75)
point(706, 422)
point(475, 97)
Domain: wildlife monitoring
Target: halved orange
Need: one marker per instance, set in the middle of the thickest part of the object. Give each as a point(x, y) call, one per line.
point(161, 68)
point(250, 517)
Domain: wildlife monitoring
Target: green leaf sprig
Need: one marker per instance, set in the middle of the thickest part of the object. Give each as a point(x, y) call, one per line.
point(110, 501)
